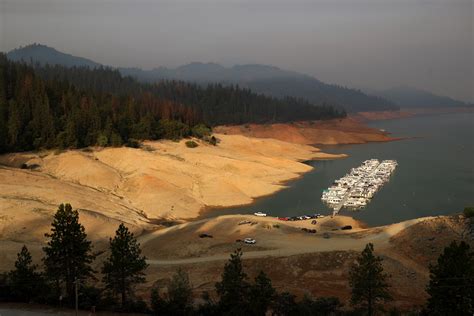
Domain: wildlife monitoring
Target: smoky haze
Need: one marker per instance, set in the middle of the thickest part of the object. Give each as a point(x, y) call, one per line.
point(371, 44)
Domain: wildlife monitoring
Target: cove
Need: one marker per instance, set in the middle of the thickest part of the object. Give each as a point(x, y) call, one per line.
point(435, 173)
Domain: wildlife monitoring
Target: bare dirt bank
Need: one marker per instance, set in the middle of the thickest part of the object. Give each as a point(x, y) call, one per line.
point(137, 186)
point(408, 112)
point(301, 262)
point(381, 115)
point(330, 132)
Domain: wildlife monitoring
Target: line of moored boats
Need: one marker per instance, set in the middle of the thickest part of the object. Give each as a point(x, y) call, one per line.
point(355, 189)
point(292, 218)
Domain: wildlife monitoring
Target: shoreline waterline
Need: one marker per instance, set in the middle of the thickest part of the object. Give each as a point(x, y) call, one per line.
point(422, 185)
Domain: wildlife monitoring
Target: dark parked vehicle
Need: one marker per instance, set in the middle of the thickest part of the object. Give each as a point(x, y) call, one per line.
point(346, 227)
point(205, 236)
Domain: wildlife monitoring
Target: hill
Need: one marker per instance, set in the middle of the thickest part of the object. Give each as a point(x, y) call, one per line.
point(412, 97)
point(47, 55)
point(268, 80)
point(56, 106)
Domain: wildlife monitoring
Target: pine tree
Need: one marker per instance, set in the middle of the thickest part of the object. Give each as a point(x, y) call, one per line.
point(25, 282)
point(233, 288)
point(368, 282)
point(68, 252)
point(125, 266)
point(262, 294)
point(14, 125)
point(285, 305)
point(451, 286)
point(3, 126)
point(180, 297)
point(320, 306)
point(180, 293)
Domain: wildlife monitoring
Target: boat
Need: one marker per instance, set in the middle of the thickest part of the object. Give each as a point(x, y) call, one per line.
point(355, 189)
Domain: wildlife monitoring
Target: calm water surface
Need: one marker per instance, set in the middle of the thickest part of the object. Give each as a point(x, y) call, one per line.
point(435, 173)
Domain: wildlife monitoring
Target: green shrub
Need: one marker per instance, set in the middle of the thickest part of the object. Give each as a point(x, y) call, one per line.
point(115, 140)
point(191, 144)
point(133, 143)
point(200, 131)
point(213, 141)
point(469, 211)
point(102, 140)
point(174, 130)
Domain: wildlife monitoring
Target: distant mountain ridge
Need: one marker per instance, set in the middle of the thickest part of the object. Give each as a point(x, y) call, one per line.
point(412, 97)
point(212, 72)
point(268, 80)
point(47, 55)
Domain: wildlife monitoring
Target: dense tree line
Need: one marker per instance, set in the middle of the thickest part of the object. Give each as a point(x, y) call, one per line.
point(315, 91)
point(218, 103)
point(55, 106)
point(68, 260)
point(37, 113)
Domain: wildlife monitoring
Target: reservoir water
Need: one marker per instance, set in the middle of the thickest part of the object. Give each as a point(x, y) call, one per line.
point(435, 173)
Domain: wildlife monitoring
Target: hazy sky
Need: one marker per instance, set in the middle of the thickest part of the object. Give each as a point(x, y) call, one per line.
point(360, 43)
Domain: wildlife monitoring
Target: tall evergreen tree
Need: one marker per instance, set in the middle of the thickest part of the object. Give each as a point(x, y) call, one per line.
point(321, 306)
point(262, 294)
point(125, 266)
point(285, 305)
point(451, 286)
point(3, 126)
point(233, 288)
point(71, 107)
point(180, 294)
point(368, 281)
point(180, 297)
point(25, 281)
point(68, 254)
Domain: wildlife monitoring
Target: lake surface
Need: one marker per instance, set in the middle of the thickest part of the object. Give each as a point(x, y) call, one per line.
point(435, 173)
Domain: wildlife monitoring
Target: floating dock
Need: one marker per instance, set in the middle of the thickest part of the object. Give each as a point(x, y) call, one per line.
point(356, 189)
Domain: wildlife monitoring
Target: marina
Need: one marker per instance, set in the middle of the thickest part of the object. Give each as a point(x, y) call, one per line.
point(421, 186)
point(355, 190)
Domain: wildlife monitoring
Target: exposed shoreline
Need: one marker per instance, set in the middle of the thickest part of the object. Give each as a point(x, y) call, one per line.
point(171, 181)
point(330, 132)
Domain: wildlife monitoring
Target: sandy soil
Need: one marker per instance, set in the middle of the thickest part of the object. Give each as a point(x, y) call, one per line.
point(168, 180)
point(138, 186)
point(407, 112)
point(337, 131)
point(181, 243)
point(165, 179)
point(298, 261)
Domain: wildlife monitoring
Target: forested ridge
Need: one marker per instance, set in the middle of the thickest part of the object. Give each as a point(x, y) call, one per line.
point(56, 106)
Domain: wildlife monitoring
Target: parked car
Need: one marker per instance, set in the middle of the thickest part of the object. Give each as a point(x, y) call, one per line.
point(283, 218)
point(347, 227)
point(314, 222)
point(205, 236)
point(249, 241)
point(244, 222)
point(260, 214)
